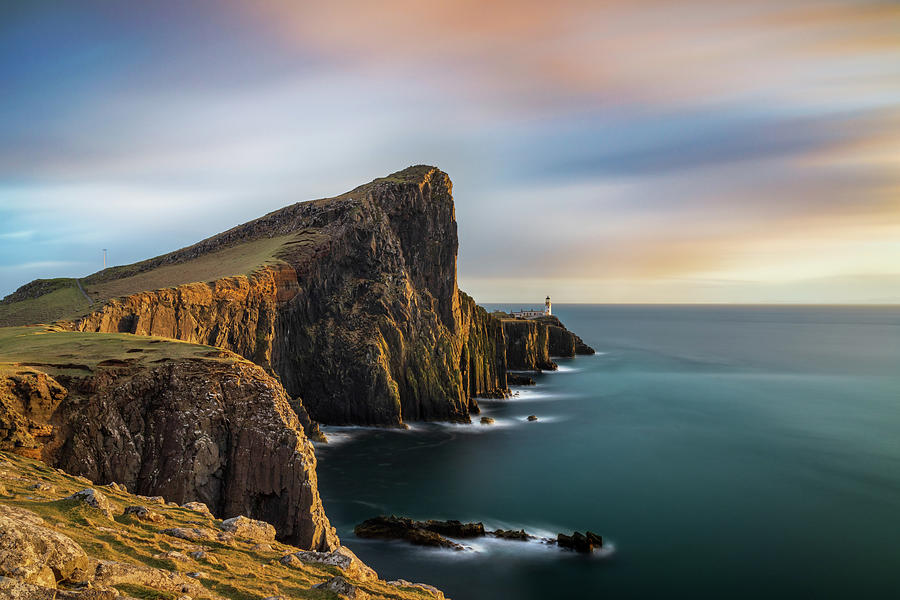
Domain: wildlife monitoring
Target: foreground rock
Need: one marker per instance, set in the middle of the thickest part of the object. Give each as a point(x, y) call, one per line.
point(94, 499)
point(342, 558)
point(35, 554)
point(60, 550)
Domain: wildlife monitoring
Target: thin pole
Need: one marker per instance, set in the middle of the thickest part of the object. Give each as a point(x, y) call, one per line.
point(104, 258)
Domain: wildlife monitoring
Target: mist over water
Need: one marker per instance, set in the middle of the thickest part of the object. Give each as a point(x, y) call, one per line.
point(737, 452)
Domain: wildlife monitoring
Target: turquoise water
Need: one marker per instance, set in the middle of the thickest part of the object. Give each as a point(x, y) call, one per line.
point(724, 452)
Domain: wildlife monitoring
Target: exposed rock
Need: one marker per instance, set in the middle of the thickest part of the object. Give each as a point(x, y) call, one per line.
point(144, 514)
point(94, 499)
point(580, 542)
point(262, 548)
point(527, 345)
point(34, 553)
point(199, 534)
point(402, 528)
point(487, 421)
point(519, 379)
point(27, 400)
point(118, 487)
point(41, 487)
point(199, 507)
point(17, 589)
point(532, 417)
point(219, 433)
point(249, 529)
point(172, 555)
point(343, 588)
point(435, 593)
point(342, 558)
point(511, 534)
point(110, 573)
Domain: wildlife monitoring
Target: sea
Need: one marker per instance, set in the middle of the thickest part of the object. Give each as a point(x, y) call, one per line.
point(721, 452)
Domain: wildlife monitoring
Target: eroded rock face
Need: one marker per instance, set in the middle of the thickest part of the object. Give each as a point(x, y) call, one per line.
point(220, 433)
point(27, 401)
point(249, 529)
point(34, 553)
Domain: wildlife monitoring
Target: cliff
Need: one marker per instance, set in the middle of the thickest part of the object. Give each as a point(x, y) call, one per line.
point(191, 423)
point(351, 302)
point(530, 344)
point(358, 314)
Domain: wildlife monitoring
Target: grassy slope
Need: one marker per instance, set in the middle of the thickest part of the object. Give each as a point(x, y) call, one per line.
point(68, 302)
point(169, 270)
point(54, 351)
point(239, 572)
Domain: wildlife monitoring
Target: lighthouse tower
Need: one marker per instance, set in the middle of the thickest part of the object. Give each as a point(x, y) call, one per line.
point(547, 306)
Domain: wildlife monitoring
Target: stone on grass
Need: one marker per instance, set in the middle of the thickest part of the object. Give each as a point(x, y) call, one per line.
point(198, 507)
point(34, 553)
point(94, 499)
point(249, 529)
point(142, 513)
point(341, 557)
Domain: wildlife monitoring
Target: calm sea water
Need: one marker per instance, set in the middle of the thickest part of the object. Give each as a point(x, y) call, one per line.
point(724, 452)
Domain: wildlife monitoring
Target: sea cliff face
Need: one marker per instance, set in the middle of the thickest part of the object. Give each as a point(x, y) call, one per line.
point(360, 316)
point(219, 432)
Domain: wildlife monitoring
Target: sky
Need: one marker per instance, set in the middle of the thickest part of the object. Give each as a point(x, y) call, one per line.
point(601, 151)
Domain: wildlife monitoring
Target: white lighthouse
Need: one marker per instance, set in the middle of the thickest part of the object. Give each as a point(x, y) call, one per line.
point(547, 306)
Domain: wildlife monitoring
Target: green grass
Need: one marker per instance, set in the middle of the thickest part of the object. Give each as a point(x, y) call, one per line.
point(53, 350)
point(63, 302)
point(241, 259)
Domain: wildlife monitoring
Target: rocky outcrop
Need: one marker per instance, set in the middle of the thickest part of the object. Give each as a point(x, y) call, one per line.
point(28, 399)
point(220, 432)
point(530, 343)
point(527, 345)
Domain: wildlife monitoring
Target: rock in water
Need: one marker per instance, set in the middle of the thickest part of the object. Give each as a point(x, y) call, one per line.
point(532, 417)
point(487, 421)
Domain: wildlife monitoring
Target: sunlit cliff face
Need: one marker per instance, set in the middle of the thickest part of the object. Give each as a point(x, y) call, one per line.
point(601, 151)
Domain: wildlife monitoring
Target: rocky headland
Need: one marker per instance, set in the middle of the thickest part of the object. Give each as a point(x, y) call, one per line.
point(200, 375)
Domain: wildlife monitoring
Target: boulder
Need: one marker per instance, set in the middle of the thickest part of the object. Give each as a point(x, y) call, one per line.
point(198, 507)
point(34, 553)
point(143, 513)
point(511, 534)
point(519, 379)
point(249, 529)
point(565, 541)
point(430, 589)
point(487, 421)
point(111, 573)
point(118, 487)
point(94, 499)
point(581, 543)
point(342, 558)
point(595, 539)
point(40, 486)
point(343, 588)
point(532, 417)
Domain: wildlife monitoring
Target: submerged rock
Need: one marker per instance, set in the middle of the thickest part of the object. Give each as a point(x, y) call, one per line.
point(580, 542)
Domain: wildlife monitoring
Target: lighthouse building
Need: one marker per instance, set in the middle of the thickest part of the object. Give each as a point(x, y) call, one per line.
point(534, 313)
